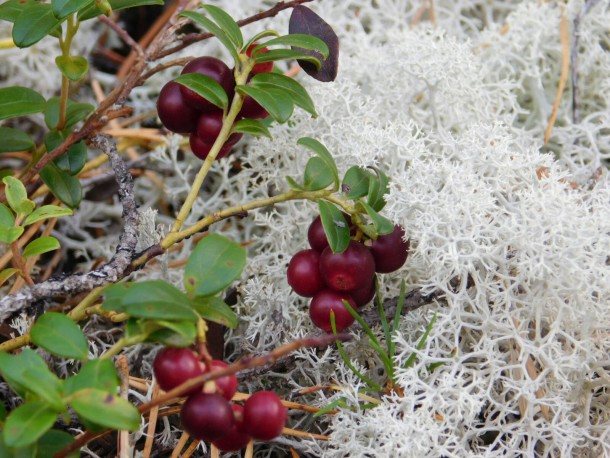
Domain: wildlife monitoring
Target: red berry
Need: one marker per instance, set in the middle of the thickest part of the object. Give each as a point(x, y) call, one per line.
point(209, 126)
point(215, 69)
point(304, 273)
point(348, 270)
point(390, 251)
point(327, 300)
point(237, 438)
point(202, 149)
point(227, 385)
point(173, 111)
point(207, 416)
point(252, 109)
point(264, 415)
point(317, 236)
point(174, 366)
point(265, 67)
point(364, 295)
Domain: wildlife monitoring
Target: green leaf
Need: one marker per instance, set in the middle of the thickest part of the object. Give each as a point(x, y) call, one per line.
point(33, 24)
point(294, 185)
point(378, 187)
point(46, 212)
point(59, 335)
point(41, 245)
point(253, 127)
point(11, 9)
point(226, 23)
point(10, 234)
point(213, 29)
point(6, 216)
point(72, 67)
point(284, 54)
point(290, 86)
point(299, 40)
point(14, 140)
point(277, 102)
point(17, 196)
point(356, 182)
point(93, 11)
point(206, 87)
point(75, 112)
point(317, 175)
point(73, 160)
point(6, 274)
point(335, 226)
point(18, 101)
point(258, 36)
point(381, 224)
point(105, 409)
point(318, 148)
point(64, 8)
point(54, 441)
point(174, 333)
point(63, 185)
point(213, 265)
point(216, 310)
point(27, 423)
point(96, 373)
point(153, 299)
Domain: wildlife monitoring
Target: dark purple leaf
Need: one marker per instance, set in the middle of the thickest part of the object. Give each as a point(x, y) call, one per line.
point(304, 20)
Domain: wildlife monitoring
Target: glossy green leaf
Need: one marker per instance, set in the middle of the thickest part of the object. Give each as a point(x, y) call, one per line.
point(6, 216)
point(154, 299)
point(356, 182)
point(105, 409)
point(6, 274)
point(18, 101)
point(59, 335)
point(73, 160)
point(10, 234)
point(14, 140)
point(207, 24)
point(381, 224)
point(378, 188)
point(93, 11)
point(213, 265)
point(317, 175)
point(17, 196)
point(335, 226)
point(27, 423)
point(216, 310)
point(33, 24)
point(294, 185)
point(290, 86)
point(226, 23)
point(12, 368)
point(75, 112)
point(11, 9)
point(41, 245)
point(206, 87)
point(96, 373)
point(72, 67)
point(63, 185)
point(318, 148)
point(64, 8)
point(46, 212)
point(285, 54)
point(299, 40)
point(253, 127)
point(174, 333)
point(52, 442)
point(277, 102)
point(256, 38)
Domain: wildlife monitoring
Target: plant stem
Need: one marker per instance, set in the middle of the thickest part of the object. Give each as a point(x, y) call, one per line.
point(122, 343)
point(19, 264)
point(65, 44)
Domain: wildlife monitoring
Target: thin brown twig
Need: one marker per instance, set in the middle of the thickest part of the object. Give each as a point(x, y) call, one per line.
point(122, 33)
point(180, 445)
point(123, 437)
point(191, 449)
point(152, 425)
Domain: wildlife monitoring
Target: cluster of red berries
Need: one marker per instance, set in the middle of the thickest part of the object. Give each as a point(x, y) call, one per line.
point(183, 111)
point(209, 416)
point(331, 278)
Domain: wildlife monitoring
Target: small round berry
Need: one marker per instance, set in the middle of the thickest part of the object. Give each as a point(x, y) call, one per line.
point(237, 438)
point(364, 295)
point(174, 366)
point(209, 126)
point(327, 300)
point(348, 270)
point(207, 416)
point(227, 385)
point(252, 109)
point(264, 415)
point(390, 251)
point(215, 69)
point(304, 273)
point(173, 111)
point(265, 67)
point(202, 149)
